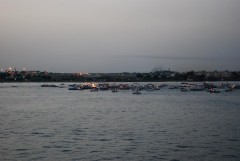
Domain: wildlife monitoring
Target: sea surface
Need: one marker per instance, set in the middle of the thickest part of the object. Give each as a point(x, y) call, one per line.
point(39, 123)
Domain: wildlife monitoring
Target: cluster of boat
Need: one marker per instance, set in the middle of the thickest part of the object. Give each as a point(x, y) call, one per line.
point(137, 87)
point(209, 87)
point(104, 86)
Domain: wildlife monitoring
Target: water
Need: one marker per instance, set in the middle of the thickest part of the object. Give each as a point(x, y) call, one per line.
point(57, 124)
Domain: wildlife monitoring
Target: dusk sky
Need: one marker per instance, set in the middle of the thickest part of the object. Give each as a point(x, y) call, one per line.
point(120, 35)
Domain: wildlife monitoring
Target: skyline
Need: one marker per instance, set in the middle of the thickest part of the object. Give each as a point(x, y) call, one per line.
point(120, 36)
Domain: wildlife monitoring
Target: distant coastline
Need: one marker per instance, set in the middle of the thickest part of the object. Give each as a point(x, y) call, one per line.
point(157, 76)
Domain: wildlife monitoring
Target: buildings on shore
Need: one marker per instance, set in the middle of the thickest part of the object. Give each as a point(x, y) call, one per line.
point(165, 75)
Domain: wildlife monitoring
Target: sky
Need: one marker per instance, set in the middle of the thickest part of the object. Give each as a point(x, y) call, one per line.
point(120, 35)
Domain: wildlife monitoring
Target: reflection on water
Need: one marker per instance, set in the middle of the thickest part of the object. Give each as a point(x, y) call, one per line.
point(58, 124)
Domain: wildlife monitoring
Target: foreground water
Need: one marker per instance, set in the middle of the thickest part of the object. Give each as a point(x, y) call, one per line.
point(57, 124)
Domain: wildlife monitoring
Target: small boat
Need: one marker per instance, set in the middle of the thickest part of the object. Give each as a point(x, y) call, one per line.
point(74, 87)
point(137, 92)
point(94, 90)
point(114, 90)
point(124, 87)
point(209, 85)
point(172, 87)
point(230, 89)
point(184, 82)
point(213, 91)
point(184, 89)
point(49, 85)
point(197, 88)
point(62, 86)
point(103, 87)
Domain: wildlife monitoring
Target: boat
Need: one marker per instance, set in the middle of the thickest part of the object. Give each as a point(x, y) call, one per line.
point(86, 86)
point(94, 90)
point(224, 86)
point(124, 87)
point(49, 85)
point(230, 89)
point(184, 82)
point(151, 87)
point(62, 86)
point(104, 86)
point(114, 90)
point(74, 87)
point(213, 90)
point(209, 85)
point(197, 88)
point(185, 89)
point(172, 87)
point(136, 92)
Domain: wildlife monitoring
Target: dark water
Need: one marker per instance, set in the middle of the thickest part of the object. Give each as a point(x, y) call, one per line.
point(57, 124)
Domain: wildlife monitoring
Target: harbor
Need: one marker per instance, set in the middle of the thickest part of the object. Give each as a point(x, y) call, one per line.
point(211, 87)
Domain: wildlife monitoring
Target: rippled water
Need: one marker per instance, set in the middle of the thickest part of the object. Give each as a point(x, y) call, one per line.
point(57, 124)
